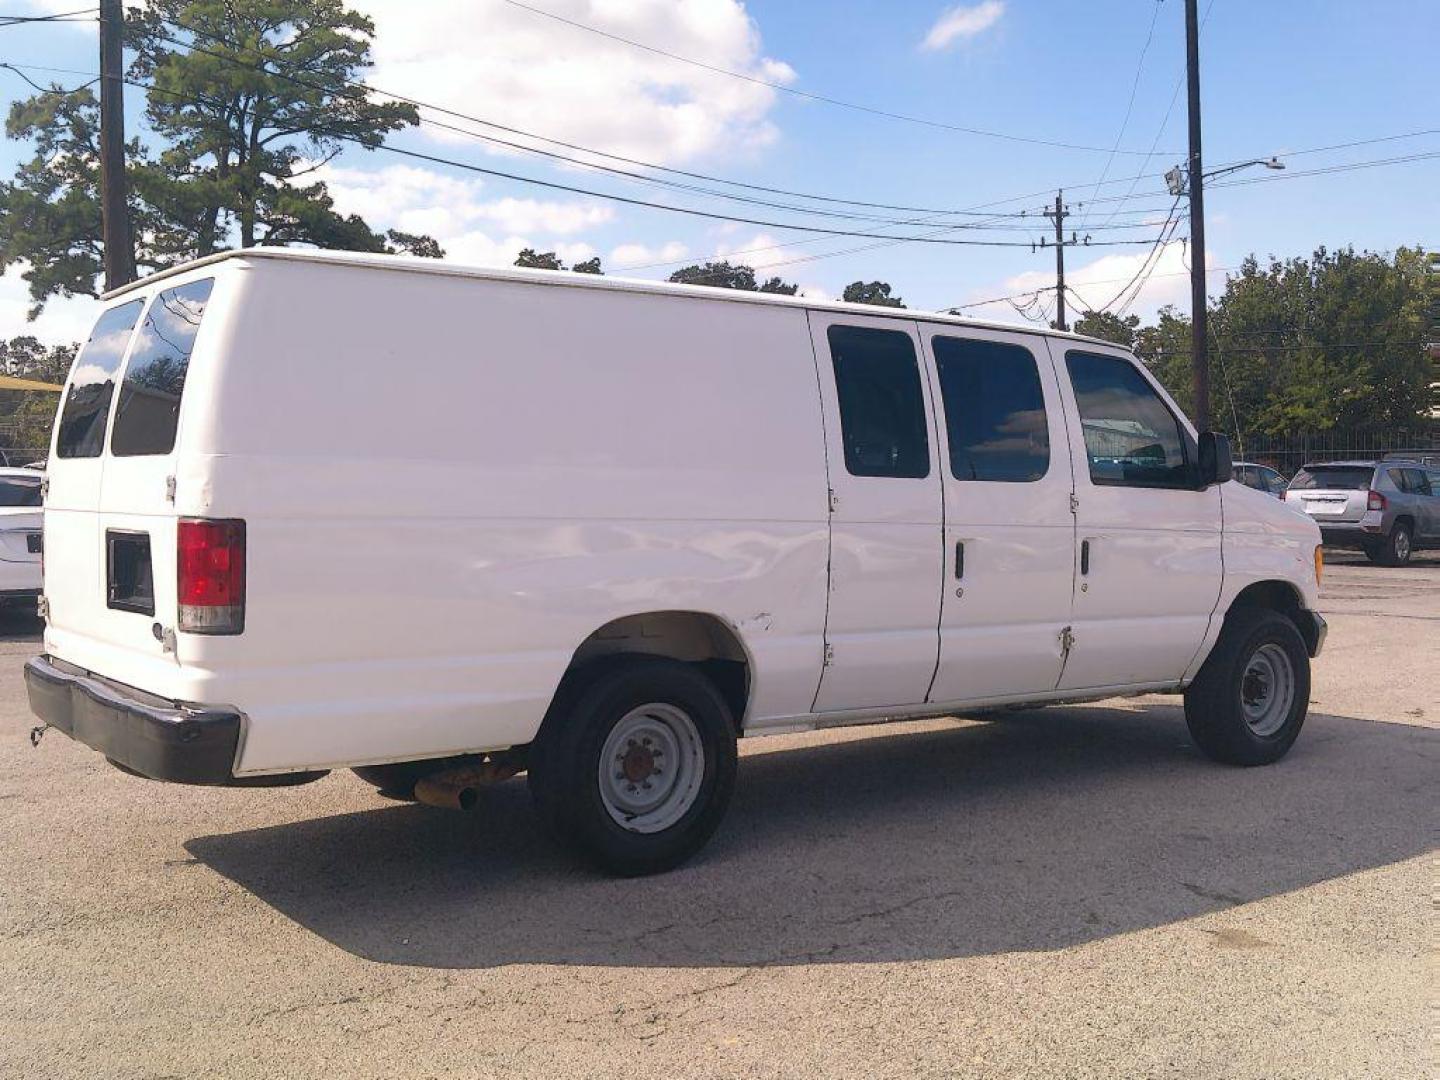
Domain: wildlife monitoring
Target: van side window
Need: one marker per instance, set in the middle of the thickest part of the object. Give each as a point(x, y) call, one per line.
point(149, 408)
point(882, 408)
point(1131, 437)
point(92, 383)
point(994, 410)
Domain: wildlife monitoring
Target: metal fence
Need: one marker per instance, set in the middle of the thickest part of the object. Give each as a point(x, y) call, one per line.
point(22, 455)
point(1288, 453)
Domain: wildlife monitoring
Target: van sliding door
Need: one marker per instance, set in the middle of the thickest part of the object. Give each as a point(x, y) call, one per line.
point(1009, 531)
point(886, 563)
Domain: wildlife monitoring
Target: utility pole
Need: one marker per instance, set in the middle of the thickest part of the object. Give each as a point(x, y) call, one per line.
point(1199, 341)
point(114, 206)
point(1059, 215)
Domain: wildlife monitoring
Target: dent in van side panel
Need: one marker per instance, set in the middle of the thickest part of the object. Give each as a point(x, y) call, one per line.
point(450, 483)
point(440, 637)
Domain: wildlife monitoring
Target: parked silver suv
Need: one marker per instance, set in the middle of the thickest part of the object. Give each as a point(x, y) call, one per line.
point(1385, 508)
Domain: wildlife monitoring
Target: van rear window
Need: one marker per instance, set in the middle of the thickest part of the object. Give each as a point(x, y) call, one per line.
point(149, 408)
point(81, 431)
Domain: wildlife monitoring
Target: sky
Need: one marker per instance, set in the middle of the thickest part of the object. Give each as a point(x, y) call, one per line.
point(1094, 105)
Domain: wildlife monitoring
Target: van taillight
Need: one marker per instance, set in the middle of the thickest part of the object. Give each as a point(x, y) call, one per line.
point(1376, 501)
point(211, 578)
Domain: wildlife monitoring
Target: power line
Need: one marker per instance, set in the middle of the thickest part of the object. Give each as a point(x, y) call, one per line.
point(1129, 109)
point(887, 114)
point(1164, 122)
point(49, 89)
point(574, 189)
point(1171, 222)
point(979, 211)
point(58, 17)
point(975, 210)
point(694, 212)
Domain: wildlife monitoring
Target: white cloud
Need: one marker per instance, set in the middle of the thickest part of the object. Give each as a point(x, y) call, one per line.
point(1099, 282)
point(471, 228)
point(641, 256)
point(962, 21)
point(762, 251)
point(502, 63)
point(816, 292)
point(64, 321)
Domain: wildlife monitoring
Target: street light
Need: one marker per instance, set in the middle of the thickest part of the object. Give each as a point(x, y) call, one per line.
point(1176, 180)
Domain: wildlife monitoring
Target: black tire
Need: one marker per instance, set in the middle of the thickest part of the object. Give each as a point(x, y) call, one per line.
point(1215, 703)
point(1395, 549)
point(565, 760)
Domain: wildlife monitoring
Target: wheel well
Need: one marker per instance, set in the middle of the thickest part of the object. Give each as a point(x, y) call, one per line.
point(691, 637)
point(1278, 596)
point(1407, 521)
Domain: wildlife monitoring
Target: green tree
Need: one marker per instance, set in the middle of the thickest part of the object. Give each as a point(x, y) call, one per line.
point(251, 96)
point(26, 416)
point(248, 99)
point(589, 266)
point(725, 275)
point(50, 211)
point(539, 260)
point(871, 292)
point(718, 275)
point(1108, 326)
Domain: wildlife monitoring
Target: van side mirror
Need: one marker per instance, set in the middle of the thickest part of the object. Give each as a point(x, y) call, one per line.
point(1216, 464)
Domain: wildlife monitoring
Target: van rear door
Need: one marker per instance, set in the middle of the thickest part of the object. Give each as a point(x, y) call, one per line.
point(75, 573)
point(111, 522)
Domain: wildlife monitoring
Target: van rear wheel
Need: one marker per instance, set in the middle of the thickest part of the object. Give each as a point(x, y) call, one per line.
point(1248, 703)
point(635, 769)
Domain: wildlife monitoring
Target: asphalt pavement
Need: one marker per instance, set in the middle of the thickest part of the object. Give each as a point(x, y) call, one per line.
point(1066, 892)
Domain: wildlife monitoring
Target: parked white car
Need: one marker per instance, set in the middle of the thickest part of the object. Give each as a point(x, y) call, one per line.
point(20, 527)
point(310, 511)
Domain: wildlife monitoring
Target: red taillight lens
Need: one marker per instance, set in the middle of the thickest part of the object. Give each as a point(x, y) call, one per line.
point(1376, 501)
point(211, 578)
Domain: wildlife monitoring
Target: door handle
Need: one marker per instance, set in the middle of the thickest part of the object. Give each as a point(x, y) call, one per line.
point(1084, 557)
point(959, 559)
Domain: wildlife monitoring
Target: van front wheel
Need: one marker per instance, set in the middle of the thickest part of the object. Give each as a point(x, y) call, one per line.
point(635, 770)
point(1248, 703)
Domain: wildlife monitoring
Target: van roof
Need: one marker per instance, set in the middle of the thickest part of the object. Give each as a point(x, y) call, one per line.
point(566, 279)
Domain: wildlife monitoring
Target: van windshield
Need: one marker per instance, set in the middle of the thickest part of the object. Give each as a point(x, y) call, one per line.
point(149, 409)
point(81, 432)
point(1334, 477)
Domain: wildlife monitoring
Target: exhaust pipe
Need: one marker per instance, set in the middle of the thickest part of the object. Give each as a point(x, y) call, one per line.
point(459, 788)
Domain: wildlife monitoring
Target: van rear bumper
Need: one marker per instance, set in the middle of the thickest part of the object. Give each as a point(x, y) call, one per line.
point(141, 733)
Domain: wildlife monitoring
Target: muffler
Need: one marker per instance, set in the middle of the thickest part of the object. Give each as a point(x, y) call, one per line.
point(459, 788)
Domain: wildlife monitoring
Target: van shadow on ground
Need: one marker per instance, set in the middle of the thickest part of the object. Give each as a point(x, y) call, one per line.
point(1040, 831)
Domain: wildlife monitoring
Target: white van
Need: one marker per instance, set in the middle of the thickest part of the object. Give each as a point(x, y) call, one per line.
point(308, 511)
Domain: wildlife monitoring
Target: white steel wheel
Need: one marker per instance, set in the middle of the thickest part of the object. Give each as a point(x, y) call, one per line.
point(1267, 690)
point(651, 767)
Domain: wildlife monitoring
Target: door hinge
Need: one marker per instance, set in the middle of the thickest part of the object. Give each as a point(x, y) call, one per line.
point(1067, 642)
point(42, 607)
point(170, 489)
point(1074, 503)
point(44, 486)
point(829, 655)
point(834, 501)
